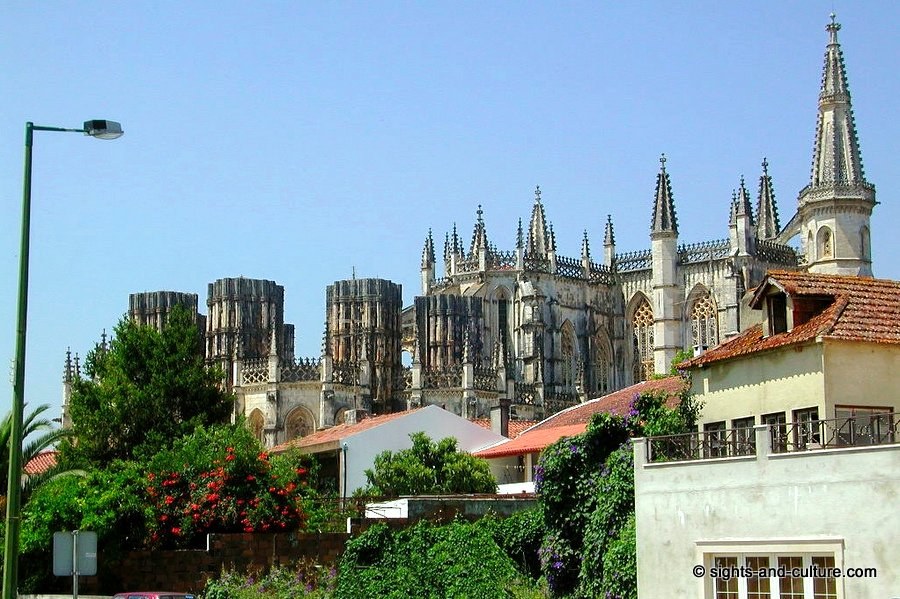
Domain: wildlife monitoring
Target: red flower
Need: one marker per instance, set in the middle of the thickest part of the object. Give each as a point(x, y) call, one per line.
point(169, 499)
point(212, 497)
point(176, 531)
point(301, 471)
point(229, 457)
point(151, 476)
point(163, 518)
point(251, 478)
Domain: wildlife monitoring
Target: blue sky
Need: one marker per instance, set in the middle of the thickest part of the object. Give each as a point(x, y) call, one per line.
point(296, 141)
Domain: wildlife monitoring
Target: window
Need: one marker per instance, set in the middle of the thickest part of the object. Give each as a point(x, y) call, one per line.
point(825, 243)
point(777, 424)
point(777, 305)
point(568, 357)
point(716, 444)
point(806, 428)
point(601, 368)
point(642, 325)
point(256, 424)
point(744, 437)
point(704, 325)
point(760, 575)
point(298, 424)
point(863, 426)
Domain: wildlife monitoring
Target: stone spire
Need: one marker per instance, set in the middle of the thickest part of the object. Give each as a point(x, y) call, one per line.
point(446, 248)
point(664, 220)
point(834, 210)
point(479, 234)
point(609, 237)
point(538, 238)
point(552, 247)
point(457, 244)
point(743, 206)
point(836, 156)
point(767, 225)
point(428, 251)
point(733, 209)
point(520, 238)
point(585, 246)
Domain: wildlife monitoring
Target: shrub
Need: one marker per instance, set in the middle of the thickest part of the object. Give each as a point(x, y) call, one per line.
point(219, 480)
point(454, 560)
point(304, 579)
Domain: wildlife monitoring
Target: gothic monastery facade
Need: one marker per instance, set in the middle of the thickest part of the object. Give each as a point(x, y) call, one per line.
point(527, 331)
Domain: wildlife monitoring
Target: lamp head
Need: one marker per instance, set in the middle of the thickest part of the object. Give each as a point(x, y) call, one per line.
point(102, 129)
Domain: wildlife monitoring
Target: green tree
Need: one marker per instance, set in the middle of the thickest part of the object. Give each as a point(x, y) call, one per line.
point(147, 389)
point(40, 436)
point(429, 468)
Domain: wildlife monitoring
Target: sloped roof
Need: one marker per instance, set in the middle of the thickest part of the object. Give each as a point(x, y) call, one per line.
point(341, 431)
point(516, 427)
point(41, 462)
point(573, 421)
point(862, 310)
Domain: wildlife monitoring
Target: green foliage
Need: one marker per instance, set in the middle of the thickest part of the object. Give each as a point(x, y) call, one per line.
point(620, 564)
point(109, 502)
point(304, 579)
point(567, 478)
point(41, 436)
point(143, 392)
point(615, 505)
point(586, 485)
point(520, 536)
point(428, 561)
point(429, 468)
point(219, 480)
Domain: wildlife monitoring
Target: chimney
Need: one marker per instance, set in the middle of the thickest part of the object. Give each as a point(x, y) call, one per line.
point(355, 416)
point(500, 417)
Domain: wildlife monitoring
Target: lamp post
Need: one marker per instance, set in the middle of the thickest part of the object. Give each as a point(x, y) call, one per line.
point(100, 129)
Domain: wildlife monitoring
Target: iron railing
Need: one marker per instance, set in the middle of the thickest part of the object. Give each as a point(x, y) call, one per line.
point(855, 431)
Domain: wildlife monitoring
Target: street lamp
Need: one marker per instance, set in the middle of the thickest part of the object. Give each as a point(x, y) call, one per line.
point(100, 129)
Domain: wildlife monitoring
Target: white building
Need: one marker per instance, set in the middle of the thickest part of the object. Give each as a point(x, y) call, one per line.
point(831, 508)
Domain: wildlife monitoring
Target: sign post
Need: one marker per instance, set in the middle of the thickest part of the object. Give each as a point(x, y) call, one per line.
point(74, 554)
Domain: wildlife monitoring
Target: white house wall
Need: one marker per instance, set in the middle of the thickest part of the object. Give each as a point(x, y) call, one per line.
point(844, 498)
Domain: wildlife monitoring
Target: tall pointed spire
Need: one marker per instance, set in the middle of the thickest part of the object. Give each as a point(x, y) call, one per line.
point(538, 238)
point(837, 204)
point(428, 251)
point(520, 238)
point(664, 220)
point(609, 237)
point(836, 155)
point(585, 246)
point(479, 234)
point(733, 209)
point(743, 207)
point(767, 225)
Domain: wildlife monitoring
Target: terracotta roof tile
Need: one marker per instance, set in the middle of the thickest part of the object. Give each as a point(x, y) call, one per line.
point(573, 421)
point(862, 309)
point(516, 427)
point(41, 462)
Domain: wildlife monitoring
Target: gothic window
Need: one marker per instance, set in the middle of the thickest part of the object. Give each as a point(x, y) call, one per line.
point(704, 326)
point(601, 368)
point(826, 243)
point(864, 243)
point(642, 325)
point(256, 423)
point(339, 416)
point(298, 424)
point(568, 356)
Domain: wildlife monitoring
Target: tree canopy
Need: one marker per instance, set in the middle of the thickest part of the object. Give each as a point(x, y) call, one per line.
point(142, 392)
point(429, 468)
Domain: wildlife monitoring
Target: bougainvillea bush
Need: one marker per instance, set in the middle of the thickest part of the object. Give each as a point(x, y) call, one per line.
point(219, 480)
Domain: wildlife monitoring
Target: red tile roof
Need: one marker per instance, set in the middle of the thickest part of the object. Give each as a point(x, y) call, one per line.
point(573, 421)
point(862, 309)
point(41, 462)
point(516, 427)
point(340, 431)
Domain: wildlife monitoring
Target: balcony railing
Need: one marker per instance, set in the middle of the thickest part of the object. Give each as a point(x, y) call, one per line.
point(856, 431)
point(722, 443)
